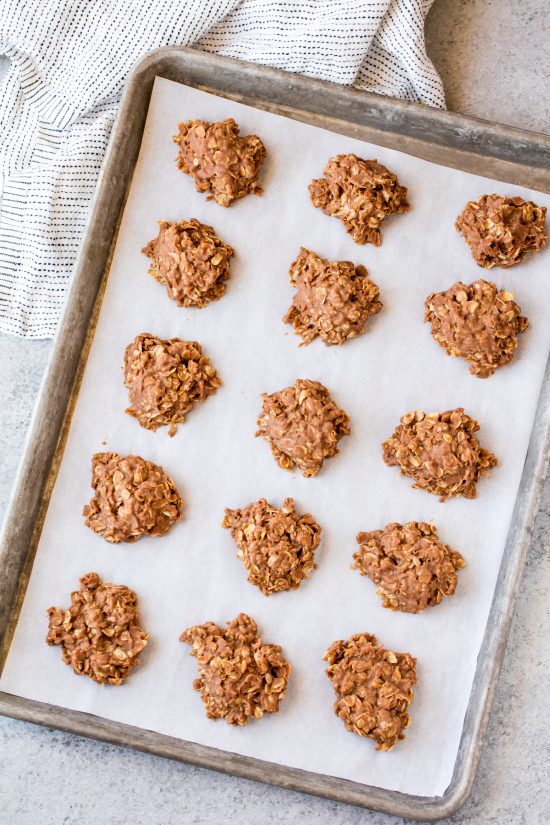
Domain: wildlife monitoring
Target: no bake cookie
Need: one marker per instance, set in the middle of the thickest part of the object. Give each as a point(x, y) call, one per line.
point(303, 425)
point(477, 322)
point(276, 545)
point(501, 231)
point(191, 261)
point(373, 686)
point(362, 193)
point(100, 634)
point(132, 498)
point(333, 298)
point(440, 452)
point(411, 566)
point(240, 677)
point(222, 163)
point(165, 379)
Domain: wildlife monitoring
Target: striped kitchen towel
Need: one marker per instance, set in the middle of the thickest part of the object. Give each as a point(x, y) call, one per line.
point(68, 63)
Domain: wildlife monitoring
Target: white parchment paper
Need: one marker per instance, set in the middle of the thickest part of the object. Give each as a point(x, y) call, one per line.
point(192, 574)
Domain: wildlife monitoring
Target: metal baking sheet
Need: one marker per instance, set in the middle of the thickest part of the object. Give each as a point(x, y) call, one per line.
point(389, 123)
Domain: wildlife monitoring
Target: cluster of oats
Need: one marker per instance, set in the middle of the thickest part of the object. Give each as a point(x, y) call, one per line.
point(132, 498)
point(191, 261)
point(373, 686)
point(165, 379)
point(100, 635)
point(221, 163)
point(303, 425)
point(240, 677)
point(440, 452)
point(362, 193)
point(333, 298)
point(276, 545)
point(477, 322)
point(411, 566)
point(501, 231)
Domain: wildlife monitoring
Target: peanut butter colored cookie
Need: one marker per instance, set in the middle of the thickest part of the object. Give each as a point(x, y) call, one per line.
point(303, 425)
point(100, 635)
point(165, 379)
point(191, 261)
point(411, 566)
point(440, 452)
point(373, 686)
point(222, 163)
point(333, 299)
point(240, 677)
point(132, 498)
point(477, 322)
point(501, 231)
point(276, 546)
point(362, 193)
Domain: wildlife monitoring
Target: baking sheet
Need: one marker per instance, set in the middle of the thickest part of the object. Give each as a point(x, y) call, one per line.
point(192, 574)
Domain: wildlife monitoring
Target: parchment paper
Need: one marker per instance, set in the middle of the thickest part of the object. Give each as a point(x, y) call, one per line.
point(192, 574)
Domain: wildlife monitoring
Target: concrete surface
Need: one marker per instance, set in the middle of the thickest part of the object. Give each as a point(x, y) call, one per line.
point(494, 58)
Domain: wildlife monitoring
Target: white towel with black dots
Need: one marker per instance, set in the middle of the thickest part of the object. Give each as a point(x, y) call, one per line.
point(69, 60)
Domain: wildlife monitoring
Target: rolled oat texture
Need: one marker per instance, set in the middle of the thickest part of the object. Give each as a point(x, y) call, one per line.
point(240, 677)
point(373, 686)
point(501, 231)
point(477, 322)
point(132, 498)
point(440, 452)
point(362, 193)
point(333, 300)
point(165, 379)
point(411, 566)
point(100, 634)
point(303, 425)
point(190, 261)
point(276, 546)
point(222, 163)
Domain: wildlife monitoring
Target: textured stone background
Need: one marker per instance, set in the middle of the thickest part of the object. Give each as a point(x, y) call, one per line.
point(494, 58)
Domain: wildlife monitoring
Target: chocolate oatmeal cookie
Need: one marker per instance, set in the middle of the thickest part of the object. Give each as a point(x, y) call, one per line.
point(239, 676)
point(477, 322)
point(501, 231)
point(333, 299)
point(374, 688)
point(276, 546)
point(410, 565)
point(222, 163)
point(132, 498)
point(165, 379)
point(191, 261)
point(361, 193)
point(100, 633)
point(303, 425)
point(440, 452)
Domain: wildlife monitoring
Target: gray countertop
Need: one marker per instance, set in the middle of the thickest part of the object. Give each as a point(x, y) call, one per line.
point(494, 59)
